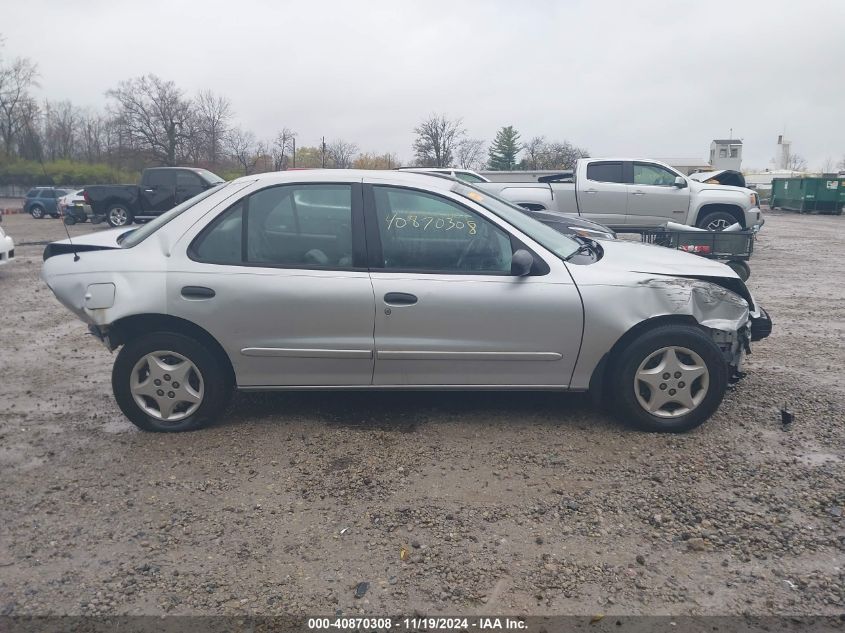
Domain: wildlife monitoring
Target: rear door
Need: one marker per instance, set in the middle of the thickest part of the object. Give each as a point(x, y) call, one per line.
point(448, 310)
point(280, 279)
point(158, 191)
point(653, 197)
point(602, 192)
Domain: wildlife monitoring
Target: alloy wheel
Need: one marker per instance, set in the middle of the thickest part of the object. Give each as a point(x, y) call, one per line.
point(118, 216)
point(671, 382)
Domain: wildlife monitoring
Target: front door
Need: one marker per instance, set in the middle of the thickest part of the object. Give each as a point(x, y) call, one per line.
point(188, 185)
point(279, 278)
point(653, 197)
point(602, 193)
point(448, 311)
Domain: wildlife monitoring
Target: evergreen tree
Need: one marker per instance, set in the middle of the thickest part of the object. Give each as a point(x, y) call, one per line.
point(504, 149)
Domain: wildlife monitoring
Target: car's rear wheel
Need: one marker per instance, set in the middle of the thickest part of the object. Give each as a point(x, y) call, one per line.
point(169, 382)
point(119, 215)
point(36, 212)
point(70, 220)
point(670, 379)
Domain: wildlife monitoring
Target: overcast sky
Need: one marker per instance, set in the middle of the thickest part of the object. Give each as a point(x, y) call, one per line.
point(659, 79)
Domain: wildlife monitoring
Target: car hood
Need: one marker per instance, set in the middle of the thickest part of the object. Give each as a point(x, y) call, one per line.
point(635, 257)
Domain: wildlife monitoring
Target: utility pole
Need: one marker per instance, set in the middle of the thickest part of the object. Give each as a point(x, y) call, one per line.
point(323, 152)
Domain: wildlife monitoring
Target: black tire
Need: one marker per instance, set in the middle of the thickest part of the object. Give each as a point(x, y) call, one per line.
point(37, 212)
point(55, 215)
point(741, 268)
point(719, 220)
point(119, 215)
point(624, 387)
point(217, 387)
point(70, 220)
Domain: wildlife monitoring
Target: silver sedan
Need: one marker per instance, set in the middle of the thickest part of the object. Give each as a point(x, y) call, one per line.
point(390, 280)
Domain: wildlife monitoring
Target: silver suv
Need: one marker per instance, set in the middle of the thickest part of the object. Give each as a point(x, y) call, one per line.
point(391, 280)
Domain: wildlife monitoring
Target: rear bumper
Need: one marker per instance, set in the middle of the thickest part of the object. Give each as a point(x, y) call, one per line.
point(7, 250)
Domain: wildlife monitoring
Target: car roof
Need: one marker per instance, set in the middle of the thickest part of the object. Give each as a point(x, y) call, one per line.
point(396, 177)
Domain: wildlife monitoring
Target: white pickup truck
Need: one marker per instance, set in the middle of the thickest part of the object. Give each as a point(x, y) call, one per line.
point(634, 193)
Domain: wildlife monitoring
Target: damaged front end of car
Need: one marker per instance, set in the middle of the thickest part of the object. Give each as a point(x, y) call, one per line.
point(721, 305)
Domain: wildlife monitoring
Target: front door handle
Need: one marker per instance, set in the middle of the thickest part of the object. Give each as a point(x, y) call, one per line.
point(638, 193)
point(400, 299)
point(197, 292)
point(591, 191)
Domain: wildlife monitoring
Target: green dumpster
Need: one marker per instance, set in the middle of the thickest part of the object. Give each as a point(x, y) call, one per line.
point(822, 194)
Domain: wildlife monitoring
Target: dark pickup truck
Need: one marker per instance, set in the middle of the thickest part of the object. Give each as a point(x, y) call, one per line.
point(161, 189)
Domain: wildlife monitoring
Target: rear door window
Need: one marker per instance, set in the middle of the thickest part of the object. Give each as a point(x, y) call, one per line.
point(605, 172)
point(290, 226)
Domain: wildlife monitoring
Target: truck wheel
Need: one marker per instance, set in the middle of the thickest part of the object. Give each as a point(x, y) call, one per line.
point(36, 212)
point(119, 215)
point(741, 268)
point(669, 380)
point(70, 220)
point(716, 221)
point(169, 382)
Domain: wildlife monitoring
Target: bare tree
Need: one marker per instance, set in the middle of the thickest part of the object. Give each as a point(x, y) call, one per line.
point(16, 105)
point(61, 129)
point(376, 161)
point(796, 162)
point(213, 114)
point(154, 114)
point(437, 138)
point(340, 153)
point(841, 164)
point(534, 150)
point(282, 146)
point(92, 136)
point(470, 153)
point(243, 148)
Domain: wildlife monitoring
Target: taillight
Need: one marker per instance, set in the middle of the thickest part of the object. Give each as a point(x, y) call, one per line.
point(86, 198)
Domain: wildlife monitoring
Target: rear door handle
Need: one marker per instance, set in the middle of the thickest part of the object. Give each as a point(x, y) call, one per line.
point(149, 190)
point(591, 191)
point(638, 193)
point(197, 292)
point(400, 299)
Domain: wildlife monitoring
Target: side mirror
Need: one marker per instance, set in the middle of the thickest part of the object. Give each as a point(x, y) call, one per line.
point(521, 263)
point(680, 183)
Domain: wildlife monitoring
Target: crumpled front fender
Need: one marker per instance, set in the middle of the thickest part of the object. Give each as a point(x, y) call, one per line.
point(613, 310)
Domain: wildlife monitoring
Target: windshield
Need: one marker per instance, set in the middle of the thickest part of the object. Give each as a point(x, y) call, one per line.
point(136, 236)
point(559, 244)
point(211, 177)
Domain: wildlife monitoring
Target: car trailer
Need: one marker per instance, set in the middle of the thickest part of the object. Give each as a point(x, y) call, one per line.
point(732, 247)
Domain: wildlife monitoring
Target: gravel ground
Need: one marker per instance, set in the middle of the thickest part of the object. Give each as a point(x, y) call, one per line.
point(444, 503)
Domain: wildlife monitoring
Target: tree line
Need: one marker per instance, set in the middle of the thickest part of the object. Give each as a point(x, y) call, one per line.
point(151, 121)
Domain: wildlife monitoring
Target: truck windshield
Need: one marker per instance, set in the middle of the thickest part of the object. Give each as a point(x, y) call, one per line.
point(561, 245)
point(136, 236)
point(209, 176)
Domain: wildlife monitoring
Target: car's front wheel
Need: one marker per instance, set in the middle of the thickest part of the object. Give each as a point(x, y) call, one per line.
point(169, 382)
point(670, 379)
point(119, 215)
